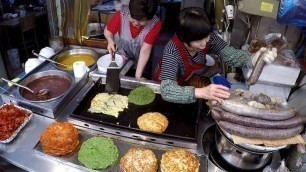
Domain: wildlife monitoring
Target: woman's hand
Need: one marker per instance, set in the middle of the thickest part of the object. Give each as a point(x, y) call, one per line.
point(111, 48)
point(110, 41)
point(140, 78)
point(212, 92)
point(269, 55)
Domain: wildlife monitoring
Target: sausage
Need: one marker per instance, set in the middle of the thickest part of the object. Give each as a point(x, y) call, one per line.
point(258, 123)
point(260, 64)
point(278, 43)
point(262, 133)
point(236, 107)
point(261, 98)
point(216, 114)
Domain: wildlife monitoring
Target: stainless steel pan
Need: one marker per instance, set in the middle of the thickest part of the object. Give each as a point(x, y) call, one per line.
point(36, 76)
point(69, 53)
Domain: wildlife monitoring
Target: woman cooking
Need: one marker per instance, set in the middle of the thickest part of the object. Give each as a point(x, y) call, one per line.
point(184, 56)
point(138, 28)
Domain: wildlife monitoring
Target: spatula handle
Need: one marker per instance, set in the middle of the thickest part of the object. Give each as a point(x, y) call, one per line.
point(113, 54)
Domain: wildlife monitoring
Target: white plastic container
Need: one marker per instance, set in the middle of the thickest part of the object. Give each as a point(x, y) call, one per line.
point(46, 52)
point(80, 69)
point(104, 61)
point(31, 64)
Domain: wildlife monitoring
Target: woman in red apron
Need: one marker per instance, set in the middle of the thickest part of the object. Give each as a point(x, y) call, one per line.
point(138, 27)
point(184, 56)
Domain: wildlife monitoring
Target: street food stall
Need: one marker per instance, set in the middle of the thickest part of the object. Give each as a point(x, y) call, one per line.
point(61, 119)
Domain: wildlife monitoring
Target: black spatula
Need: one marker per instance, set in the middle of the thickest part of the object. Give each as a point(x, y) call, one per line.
point(112, 77)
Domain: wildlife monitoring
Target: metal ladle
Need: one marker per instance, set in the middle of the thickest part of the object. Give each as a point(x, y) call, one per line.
point(52, 61)
point(44, 94)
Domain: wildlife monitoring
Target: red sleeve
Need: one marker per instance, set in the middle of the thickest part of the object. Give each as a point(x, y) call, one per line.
point(153, 34)
point(114, 24)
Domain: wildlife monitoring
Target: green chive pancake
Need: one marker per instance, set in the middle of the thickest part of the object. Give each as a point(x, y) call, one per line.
point(141, 96)
point(98, 153)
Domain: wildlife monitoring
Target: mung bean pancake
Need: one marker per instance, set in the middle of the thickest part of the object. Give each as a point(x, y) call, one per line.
point(141, 96)
point(153, 122)
point(139, 159)
point(178, 160)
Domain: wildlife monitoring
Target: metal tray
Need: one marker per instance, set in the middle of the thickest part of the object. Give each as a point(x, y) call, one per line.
point(20, 127)
point(123, 146)
point(179, 115)
point(251, 147)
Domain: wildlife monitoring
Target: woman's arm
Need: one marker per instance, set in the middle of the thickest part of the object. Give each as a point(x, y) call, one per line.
point(235, 57)
point(172, 92)
point(111, 29)
point(110, 40)
point(144, 56)
point(230, 55)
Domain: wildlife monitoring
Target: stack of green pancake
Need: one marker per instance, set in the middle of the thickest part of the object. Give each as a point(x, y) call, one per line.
point(98, 153)
point(141, 96)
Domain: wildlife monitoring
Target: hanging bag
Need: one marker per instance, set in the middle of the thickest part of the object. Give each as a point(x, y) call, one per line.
point(292, 12)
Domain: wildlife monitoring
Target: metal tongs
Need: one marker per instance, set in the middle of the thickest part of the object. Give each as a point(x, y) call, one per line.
point(52, 61)
point(42, 93)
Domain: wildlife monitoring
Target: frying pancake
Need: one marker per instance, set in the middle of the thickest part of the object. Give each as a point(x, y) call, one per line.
point(59, 139)
point(141, 96)
point(178, 160)
point(139, 159)
point(109, 104)
point(153, 122)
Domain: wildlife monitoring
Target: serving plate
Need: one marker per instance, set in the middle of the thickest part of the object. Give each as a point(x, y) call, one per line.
point(20, 127)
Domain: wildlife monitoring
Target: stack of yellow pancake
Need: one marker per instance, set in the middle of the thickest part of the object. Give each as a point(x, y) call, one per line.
point(139, 159)
point(178, 160)
point(59, 139)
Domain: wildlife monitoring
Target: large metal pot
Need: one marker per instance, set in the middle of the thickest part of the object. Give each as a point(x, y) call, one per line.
point(76, 55)
point(63, 76)
point(239, 157)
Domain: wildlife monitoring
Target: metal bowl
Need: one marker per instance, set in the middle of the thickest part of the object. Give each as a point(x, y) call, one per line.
point(239, 157)
point(36, 76)
point(68, 53)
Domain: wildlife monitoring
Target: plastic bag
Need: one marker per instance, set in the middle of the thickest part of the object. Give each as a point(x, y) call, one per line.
point(292, 12)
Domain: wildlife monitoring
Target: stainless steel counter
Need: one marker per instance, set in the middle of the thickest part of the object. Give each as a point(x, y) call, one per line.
point(20, 151)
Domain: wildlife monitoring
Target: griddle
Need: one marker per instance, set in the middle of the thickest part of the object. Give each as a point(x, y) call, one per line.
point(183, 118)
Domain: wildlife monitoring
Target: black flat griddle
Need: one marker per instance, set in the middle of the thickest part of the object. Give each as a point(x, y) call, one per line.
point(183, 118)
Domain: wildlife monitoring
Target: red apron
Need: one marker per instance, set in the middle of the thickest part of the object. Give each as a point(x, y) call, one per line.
point(190, 68)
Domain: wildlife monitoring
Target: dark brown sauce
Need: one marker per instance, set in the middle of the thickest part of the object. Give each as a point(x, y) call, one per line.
point(56, 85)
